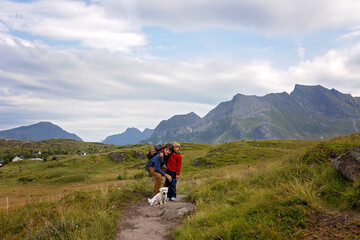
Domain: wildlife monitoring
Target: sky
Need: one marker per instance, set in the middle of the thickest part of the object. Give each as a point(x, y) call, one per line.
point(97, 67)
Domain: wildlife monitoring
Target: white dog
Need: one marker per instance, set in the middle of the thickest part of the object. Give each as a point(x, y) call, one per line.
point(160, 197)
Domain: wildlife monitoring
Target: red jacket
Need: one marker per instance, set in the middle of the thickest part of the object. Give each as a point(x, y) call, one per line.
point(174, 163)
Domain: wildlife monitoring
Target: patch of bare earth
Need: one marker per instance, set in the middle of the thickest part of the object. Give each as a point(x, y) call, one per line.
point(157, 222)
point(336, 225)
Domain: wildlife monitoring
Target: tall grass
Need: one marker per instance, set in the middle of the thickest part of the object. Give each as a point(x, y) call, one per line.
point(78, 215)
point(275, 201)
point(242, 190)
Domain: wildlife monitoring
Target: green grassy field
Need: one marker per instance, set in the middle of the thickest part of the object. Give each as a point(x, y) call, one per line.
point(269, 189)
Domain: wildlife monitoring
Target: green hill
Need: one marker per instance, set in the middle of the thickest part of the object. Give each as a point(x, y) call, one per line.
point(255, 189)
point(10, 148)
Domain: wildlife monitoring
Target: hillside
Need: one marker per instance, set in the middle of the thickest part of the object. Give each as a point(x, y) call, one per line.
point(9, 148)
point(38, 132)
point(263, 189)
point(307, 113)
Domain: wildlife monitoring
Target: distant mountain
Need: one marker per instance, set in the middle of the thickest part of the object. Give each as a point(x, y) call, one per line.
point(130, 136)
point(38, 132)
point(166, 130)
point(309, 112)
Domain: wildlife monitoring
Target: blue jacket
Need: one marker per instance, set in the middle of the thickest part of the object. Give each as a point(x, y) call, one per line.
point(156, 163)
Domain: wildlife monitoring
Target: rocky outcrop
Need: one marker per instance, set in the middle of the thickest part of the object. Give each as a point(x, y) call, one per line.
point(138, 154)
point(348, 164)
point(119, 157)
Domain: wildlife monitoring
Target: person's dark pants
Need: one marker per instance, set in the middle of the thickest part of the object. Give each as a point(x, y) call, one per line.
point(172, 187)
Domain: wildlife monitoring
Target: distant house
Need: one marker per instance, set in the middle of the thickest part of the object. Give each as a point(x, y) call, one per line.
point(37, 152)
point(2, 163)
point(18, 158)
point(82, 153)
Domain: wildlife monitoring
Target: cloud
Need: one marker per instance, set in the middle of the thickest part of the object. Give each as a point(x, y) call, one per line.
point(66, 20)
point(116, 25)
point(269, 17)
point(3, 28)
point(301, 53)
point(96, 92)
point(338, 68)
point(353, 34)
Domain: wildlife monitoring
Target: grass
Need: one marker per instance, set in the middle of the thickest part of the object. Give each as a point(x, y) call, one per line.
point(267, 189)
point(79, 215)
point(275, 201)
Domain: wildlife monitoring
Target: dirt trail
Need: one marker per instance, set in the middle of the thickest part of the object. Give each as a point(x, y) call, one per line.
point(157, 222)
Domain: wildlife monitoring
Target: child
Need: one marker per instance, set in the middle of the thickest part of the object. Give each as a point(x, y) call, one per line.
point(173, 169)
point(154, 168)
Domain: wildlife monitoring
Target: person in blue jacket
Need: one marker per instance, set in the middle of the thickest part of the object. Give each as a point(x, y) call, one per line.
point(154, 166)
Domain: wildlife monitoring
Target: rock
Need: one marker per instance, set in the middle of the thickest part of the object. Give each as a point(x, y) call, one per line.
point(348, 164)
point(200, 161)
point(118, 156)
point(138, 154)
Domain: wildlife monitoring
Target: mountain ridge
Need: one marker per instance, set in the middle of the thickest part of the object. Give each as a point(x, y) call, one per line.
point(38, 132)
point(307, 113)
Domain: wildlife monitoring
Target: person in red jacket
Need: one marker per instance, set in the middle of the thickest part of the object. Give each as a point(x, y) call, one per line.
point(173, 169)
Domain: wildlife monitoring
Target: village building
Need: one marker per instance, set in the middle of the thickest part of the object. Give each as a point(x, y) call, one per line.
point(18, 158)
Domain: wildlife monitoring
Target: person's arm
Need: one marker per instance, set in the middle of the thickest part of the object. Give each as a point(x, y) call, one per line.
point(157, 167)
point(157, 164)
point(178, 167)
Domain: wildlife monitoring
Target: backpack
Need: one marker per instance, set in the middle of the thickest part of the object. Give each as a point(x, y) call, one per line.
point(153, 151)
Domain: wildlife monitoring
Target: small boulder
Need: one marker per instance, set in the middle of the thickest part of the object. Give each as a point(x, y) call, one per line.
point(119, 157)
point(348, 164)
point(201, 161)
point(198, 162)
point(138, 154)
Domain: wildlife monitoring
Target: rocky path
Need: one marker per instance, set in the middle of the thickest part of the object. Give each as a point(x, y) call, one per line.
point(157, 222)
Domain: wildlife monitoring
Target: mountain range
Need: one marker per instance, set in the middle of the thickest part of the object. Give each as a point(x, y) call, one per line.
point(38, 132)
point(130, 136)
point(308, 112)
